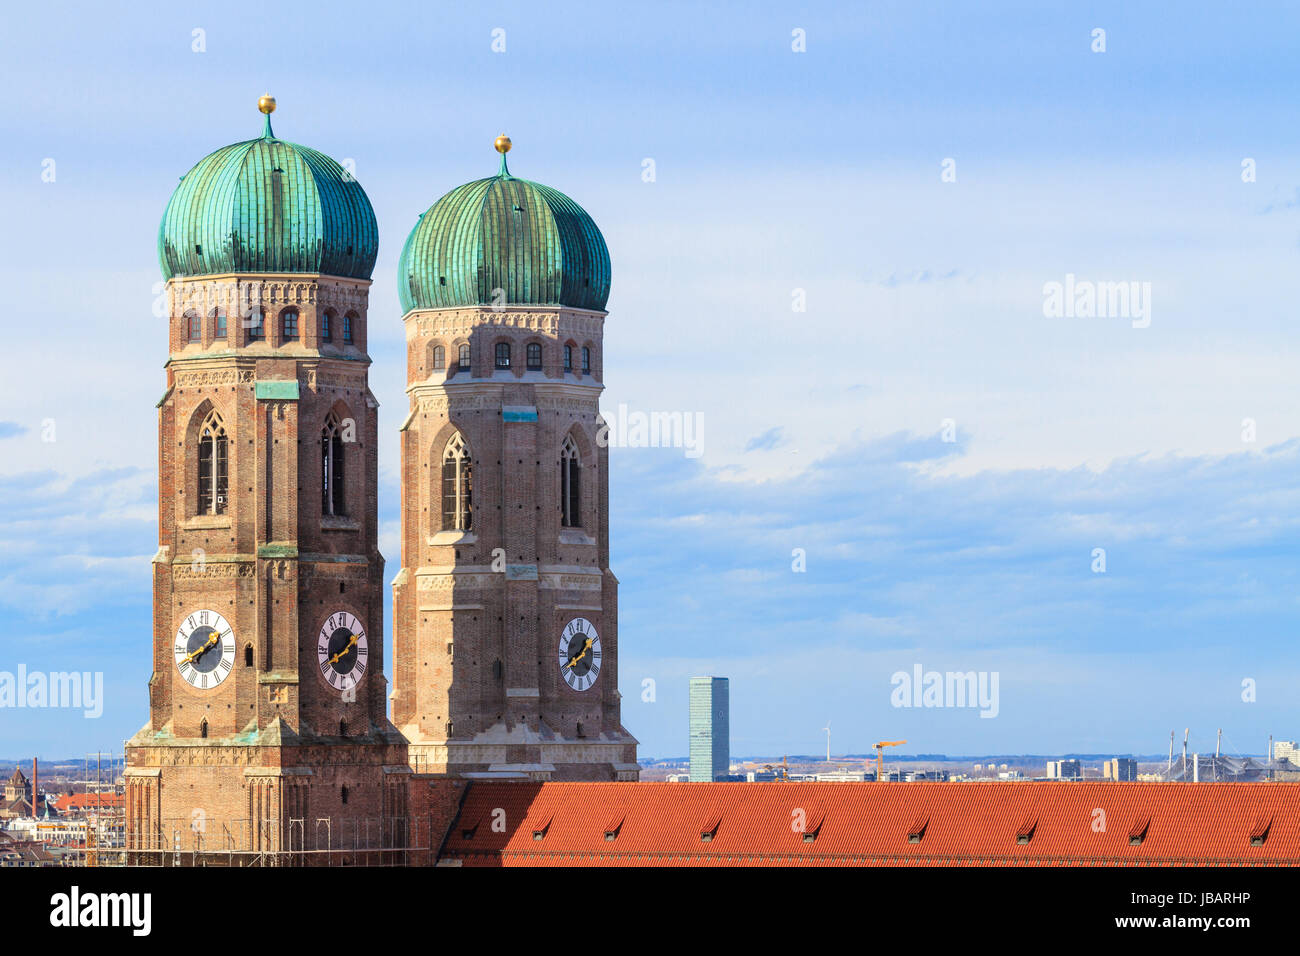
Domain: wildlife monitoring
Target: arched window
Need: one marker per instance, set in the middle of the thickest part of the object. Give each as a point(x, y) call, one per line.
point(439, 358)
point(203, 728)
point(534, 357)
point(570, 484)
point(586, 360)
point(343, 727)
point(326, 333)
point(193, 327)
point(248, 655)
point(457, 486)
point(219, 330)
point(568, 358)
point(503, 355)
point(289, 325)
point(257, 326)
point(332, 481)
point(213, 468)
point(463, 360)
point(347, 330)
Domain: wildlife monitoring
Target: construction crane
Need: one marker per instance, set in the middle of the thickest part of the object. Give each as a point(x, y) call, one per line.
point(880, 757)
point(778, 773)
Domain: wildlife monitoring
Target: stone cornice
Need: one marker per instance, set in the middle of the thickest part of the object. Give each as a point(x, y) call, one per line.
point(462, 321)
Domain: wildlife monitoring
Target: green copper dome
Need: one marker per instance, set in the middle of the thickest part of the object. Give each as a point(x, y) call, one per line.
point(529, 240)
point(267, 205)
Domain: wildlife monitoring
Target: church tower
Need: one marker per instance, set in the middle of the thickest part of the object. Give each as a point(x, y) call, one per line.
point(506, 610)
point(267, 727)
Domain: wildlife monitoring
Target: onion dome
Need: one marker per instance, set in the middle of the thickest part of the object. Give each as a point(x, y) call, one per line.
point(267, 205)
point(529, 240)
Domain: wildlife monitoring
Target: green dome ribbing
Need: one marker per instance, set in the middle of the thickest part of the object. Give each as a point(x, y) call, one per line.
point(530, 240)
point(267, 205)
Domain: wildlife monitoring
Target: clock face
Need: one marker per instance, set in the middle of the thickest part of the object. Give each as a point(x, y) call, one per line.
point(204, 649)
point(579, 654)
point(341, 651)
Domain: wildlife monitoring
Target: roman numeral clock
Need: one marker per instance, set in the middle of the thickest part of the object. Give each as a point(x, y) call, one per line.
point(342, 652)
point(580, 654)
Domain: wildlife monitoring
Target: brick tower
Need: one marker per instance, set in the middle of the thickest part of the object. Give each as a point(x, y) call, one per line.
point(506, 611)
point(267, 728)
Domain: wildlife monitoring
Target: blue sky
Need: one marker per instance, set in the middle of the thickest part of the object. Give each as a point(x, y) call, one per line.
point(775, 171)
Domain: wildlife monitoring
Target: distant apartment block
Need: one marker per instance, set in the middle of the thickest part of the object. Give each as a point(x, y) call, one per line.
point(1121, 768)
point(1286, 750)
point(710, 729)
point(1064, 770)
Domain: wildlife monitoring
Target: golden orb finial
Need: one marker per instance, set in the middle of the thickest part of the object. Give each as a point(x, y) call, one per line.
point(266, 103)
point(502, 144)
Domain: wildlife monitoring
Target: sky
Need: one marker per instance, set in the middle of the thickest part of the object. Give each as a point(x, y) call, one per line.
point(838, 270)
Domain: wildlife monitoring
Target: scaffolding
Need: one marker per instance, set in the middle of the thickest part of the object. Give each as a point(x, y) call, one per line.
point(319, 841)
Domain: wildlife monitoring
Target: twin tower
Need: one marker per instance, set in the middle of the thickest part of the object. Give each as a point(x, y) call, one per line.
point(268, 700)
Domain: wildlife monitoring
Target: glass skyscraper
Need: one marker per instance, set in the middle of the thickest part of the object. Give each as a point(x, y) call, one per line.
point(710, 729)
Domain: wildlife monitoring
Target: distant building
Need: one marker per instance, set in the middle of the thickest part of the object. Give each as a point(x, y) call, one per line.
point(1121, 768)
point(1064, 770)
point(1286, 750)
point(912, 776)
point(710, 728)
point(18, 798)
point(842, 776)
point(17, 852)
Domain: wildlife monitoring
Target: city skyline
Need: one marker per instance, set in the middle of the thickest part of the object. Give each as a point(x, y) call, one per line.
point(924, 306)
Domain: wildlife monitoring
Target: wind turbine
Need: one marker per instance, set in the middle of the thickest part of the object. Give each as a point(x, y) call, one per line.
point(827, 728)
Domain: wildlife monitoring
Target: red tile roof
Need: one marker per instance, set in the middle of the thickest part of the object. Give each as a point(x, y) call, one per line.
point(79, 802)
point(827, 824)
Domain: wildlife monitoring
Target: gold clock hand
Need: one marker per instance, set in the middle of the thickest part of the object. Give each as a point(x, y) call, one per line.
point(337, 657)
point(210, 642)
point(586, 647)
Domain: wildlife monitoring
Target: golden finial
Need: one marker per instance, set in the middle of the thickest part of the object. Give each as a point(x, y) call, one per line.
point(502, 144)
point(266, 103)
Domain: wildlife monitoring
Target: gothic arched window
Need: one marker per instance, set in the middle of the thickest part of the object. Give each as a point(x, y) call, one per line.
point(193, 327)
point(347, 329)
point(439, 358)
point(457, 486)
point(568, 358)
point(219, 329)
point(332, 482)
point(534, 357)
point(463, 360)
point(289, 325)
point(503, 355)
point(326, 333)
point(570, 485)
point(257, 326)
point(213, 466)
point(586, 360)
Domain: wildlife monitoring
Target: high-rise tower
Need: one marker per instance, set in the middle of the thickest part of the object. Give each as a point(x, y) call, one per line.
point(267, 726)
point(506, 613)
